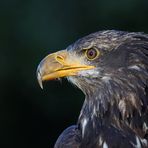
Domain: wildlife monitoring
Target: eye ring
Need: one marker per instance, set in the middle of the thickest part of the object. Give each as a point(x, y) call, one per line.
point(92, 53)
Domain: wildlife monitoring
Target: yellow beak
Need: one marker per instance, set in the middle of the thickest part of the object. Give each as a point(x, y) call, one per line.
point(60, 64)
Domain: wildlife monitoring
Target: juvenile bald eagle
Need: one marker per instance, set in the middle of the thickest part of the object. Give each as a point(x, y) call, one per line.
point(111, 68)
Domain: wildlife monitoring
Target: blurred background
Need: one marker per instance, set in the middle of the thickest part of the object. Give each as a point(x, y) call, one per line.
point(31, 29)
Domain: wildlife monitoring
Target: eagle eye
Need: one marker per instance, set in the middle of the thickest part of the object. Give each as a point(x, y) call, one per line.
point(91, 53)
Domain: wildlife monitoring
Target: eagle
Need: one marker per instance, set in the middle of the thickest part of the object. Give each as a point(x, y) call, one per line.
point(111, 68)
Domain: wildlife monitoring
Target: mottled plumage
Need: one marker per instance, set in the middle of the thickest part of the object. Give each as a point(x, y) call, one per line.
point(115, 110)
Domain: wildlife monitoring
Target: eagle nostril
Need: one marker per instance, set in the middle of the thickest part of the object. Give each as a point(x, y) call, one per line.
point(60, 59)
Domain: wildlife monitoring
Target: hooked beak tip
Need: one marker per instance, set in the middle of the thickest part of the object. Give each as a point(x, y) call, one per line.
point(39, 78)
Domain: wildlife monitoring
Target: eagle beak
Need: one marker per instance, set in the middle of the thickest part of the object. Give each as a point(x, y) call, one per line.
point(60, 64)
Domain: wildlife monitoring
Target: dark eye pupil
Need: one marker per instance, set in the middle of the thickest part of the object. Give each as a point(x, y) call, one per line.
point(91, 53)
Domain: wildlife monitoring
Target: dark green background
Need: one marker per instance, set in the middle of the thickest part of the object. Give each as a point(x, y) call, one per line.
point(29, 30)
